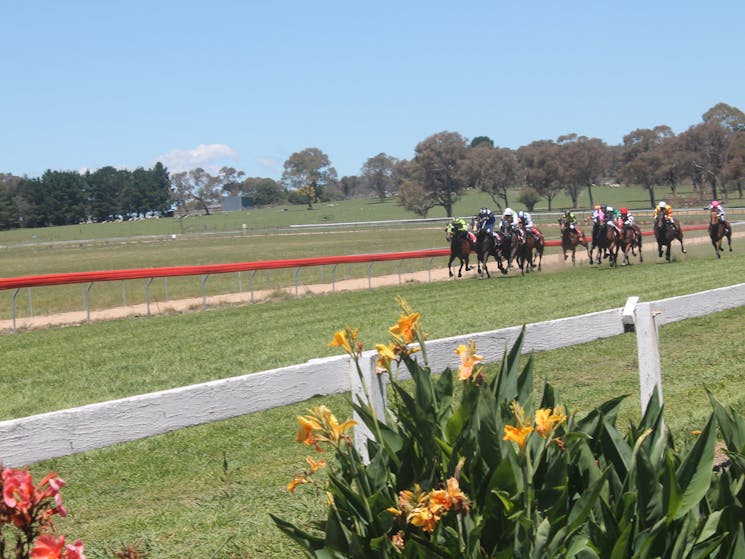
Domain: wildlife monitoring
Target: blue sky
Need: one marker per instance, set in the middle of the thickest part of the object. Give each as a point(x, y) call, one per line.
point(246, 84)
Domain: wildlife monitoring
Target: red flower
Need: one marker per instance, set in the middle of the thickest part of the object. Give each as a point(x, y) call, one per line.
point(48, 547)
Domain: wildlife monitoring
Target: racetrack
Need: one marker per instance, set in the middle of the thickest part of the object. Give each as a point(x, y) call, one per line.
point(554, 260)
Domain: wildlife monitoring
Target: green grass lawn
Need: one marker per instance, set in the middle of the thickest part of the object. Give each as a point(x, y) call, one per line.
point(206, 491)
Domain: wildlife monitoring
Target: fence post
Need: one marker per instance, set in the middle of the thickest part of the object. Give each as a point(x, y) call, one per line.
point(375, 384)
point(647, 347)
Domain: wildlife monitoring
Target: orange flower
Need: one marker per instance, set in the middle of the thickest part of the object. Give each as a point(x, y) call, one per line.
point(315, 465)
point(468, 359)
point(398, 540)
point(546, 419)
point(297, 480)
point(518, 435)
point(307, 426)
point(405, 328)
point(322, 426)
point(458, 499)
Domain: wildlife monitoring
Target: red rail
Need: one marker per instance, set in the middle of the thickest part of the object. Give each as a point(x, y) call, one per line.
point(171, 271)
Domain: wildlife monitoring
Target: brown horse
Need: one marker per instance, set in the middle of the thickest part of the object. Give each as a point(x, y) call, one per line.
point(570, 238)
point(488, 245)
point(630, 239)
point(461, 244)
point(718, 229)
point(529, 245)
point(666, 231)
point(609, 241)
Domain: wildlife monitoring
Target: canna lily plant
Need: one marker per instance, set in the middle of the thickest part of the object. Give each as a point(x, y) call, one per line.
point(473, 463)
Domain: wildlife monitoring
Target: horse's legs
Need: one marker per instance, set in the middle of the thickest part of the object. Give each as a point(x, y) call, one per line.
point(450, 265)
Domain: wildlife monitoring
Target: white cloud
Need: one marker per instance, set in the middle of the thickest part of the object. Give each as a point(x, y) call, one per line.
point(211, 157)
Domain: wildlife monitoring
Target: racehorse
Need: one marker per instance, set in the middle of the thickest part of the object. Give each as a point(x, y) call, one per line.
point(461, 244)
point(508, 244)
point(570, 238)
point(529, 246)
point(488, 245)
point(608, 243)
point(717, 231)
point(630, 239)
point(666, 232)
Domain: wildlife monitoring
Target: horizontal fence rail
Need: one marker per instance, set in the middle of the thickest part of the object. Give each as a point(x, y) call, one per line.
point(60, 433)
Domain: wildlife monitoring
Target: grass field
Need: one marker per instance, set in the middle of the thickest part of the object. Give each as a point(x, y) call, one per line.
point(206, 491)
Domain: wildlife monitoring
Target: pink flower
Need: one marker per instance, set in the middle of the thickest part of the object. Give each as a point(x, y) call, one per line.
point(48, 547)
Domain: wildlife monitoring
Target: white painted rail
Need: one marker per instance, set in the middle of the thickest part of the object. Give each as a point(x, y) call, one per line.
point(40, 437)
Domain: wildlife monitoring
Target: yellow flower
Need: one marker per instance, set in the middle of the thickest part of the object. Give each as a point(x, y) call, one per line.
point(405, 328)
point(322, 426)
point(546, 419)
point(297, 480)
point(423, 518)
point(519, 413)
point(386, 354)
point(518, 435)
point(345, 338)
point(468, 360)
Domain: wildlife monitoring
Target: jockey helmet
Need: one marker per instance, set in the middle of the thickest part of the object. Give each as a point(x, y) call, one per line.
point(482, 211)
point(624, 211)
point(715, 204)
point(508, 211)
point(597, 206)
point(663, 205)
point(603, 207)
point(520, 214)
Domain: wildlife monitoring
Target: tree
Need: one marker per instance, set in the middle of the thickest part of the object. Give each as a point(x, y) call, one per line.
point(196, 187)
point(378, 172)
point(263, 191)
point(541, 163)
point(105, 187)
point(230, 180)
point(308, 168)
point(437, 175)
point(8, 206)
point(643, 157)
point(734, 163)
point(726, 116)
point(707, 144)
point(584, 161)
point(64, 197)
point(494, 171)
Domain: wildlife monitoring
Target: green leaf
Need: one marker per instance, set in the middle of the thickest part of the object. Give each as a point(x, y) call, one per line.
point(582, 507)
point(694, 474)
point(308, 542)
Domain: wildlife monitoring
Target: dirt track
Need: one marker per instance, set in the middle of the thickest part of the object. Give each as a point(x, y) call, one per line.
point(552, 260)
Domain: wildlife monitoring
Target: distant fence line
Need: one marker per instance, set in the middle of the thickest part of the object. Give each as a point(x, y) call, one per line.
point(18, 283)
point(61, 433)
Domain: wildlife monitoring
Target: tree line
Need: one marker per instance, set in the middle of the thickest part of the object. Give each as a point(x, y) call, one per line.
point(709, 155)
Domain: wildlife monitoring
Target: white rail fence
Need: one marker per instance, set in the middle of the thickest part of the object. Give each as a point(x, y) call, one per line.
point(49, 435)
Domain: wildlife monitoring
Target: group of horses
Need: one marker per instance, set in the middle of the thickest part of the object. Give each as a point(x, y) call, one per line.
point(608, 240)
point(506, 246)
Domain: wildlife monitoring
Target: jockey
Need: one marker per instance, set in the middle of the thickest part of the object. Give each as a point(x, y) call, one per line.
point(715, 205)
point(718, 207)
point(663, 210)
point(486, 220)
point(571, 222)
point(459, 224)
point(509, 219)
point(626, 219)
point(530, 227)
point(597, 216)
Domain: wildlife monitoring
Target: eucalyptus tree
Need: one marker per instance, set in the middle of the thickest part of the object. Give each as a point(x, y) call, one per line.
point(734, 164)
point(437, 176)
point(584, 163)
point(308, 172)
point(378, 173)
point(493, 170)
point(644, 157)
point(541, 163)
point(707, 144)
point(196, 188)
